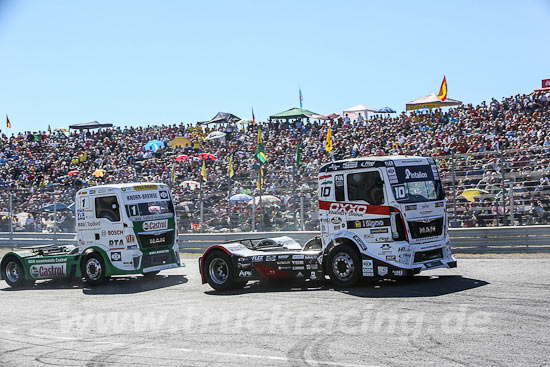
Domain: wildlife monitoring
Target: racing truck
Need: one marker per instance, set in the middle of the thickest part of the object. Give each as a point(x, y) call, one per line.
point(380, 217)
point(121, 229)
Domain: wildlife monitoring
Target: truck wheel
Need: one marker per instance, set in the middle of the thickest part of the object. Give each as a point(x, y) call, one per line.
point(13, 272)
point(344, 266)
point(93, 269)
point(218, 271)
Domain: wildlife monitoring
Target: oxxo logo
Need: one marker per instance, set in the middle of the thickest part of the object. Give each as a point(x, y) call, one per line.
point(350, 209)
point(412, 175)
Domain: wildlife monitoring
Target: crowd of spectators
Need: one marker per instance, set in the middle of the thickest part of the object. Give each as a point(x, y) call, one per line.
point(507, 138)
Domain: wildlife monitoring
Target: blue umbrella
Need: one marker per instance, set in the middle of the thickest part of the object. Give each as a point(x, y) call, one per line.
point(154, 145)
point(385, 110)
point(58, 207)
point(240, 197)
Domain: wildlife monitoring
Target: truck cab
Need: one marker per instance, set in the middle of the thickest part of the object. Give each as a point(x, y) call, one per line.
point(391, 209)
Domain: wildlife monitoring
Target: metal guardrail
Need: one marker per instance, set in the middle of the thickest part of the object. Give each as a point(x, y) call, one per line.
point(525, 239)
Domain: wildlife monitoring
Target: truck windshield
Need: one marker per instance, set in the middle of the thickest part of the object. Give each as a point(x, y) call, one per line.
point(150, 208)
point(414, 184)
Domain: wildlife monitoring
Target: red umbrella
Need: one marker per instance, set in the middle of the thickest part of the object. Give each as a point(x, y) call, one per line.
point(72, 173)
point(207, 156)
point(182, 157)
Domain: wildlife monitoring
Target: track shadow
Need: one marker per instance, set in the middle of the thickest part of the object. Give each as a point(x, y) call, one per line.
point(418, 286)
point(116, 285)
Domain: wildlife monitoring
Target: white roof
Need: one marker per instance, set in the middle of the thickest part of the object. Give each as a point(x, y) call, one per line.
point(361, 108)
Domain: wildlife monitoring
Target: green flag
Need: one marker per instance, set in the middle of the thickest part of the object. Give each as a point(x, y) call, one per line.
point(260, 155)
point(299, 155)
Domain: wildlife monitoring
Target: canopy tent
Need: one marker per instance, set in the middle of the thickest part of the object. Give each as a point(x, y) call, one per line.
point(431, 101)
point(180, 141)
point(222, 118)
point(293, 113)
point(360, 108)
point(215, 135)
point(545, 86)
point(90, 125)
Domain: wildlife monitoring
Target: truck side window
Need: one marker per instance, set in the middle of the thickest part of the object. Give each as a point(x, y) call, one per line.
point(367, 186)
point(107, 207)
point(339, 188)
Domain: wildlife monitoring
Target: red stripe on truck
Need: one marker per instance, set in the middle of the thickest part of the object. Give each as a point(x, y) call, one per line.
point(356, 209)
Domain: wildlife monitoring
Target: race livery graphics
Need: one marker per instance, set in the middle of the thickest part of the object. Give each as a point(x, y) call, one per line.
point(121, 229)
point(380, 217)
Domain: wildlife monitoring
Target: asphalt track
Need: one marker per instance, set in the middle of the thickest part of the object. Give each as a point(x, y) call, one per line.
point(491, 312)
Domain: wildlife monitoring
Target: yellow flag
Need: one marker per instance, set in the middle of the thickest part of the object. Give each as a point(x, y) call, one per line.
point(203, 171)
point(442, 95)
point(231, 172)
point(328, 145)
point(260, 182)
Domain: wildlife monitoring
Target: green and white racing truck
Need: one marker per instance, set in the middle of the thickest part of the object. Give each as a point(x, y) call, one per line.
point(121, 229)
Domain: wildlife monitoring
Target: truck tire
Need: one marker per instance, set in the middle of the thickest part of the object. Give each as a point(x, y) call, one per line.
point(93, 269)
point(343, 266)
point(219, 272)
point(13, 272)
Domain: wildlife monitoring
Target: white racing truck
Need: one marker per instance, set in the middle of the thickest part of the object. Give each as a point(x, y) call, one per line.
point(380, 217)
point(121, 229)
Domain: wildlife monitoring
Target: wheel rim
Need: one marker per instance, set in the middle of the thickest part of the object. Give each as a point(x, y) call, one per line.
point(13, 272)
point(342, 266)
point(93, 269)
point(218, 270)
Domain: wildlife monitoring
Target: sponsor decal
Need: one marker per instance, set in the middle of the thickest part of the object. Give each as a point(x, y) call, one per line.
point(117, 232)
point(342, 208)
point(392, 175)
point(155, 225)
point(245, 273)
point(257, 259)
point(427, 229)
point(130, 238)
point(91, 192)
point(93, 224)
point(131, 247)
point(146, 196)
point(144, 187)
point(369, 223)
point(382, 270)
point(410, 207)
point(282, 257)
point(334, 167)
point(284, 267)
point(113, 243)
point(312, 267)
point(244, 266)
point(360, 242)
point(284, 262)
point(116, 256)
point(298, 262)
point(398, 273)
point(389, 163)
point(298, 268)
point(349, 165)
point(48, 271)
point(381, 239)
point(368, 268)
point(297, 257)
point(243, 259)
point(339, 179)
point(310, 257)
point(164, 195)
point(379, 230)
point(80, 214)
point(404, 256)
point(236, 248)
point(435, 172)
point(157, 240)
point(299, 275)
point(271, 258)
point(313, 275)
point(336, 220)
point(385, 246)
point(367, 164)
point(390, 258)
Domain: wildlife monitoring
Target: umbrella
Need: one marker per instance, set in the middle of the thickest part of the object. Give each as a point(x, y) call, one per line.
point(72, 173)
point(192, 184)
point(182, 157)
point(71, 207)
point(61, 129)
point(385, 110)
point(215, 135)
point(240, 197)
point(57, 207)
point(207, 156)
point(99, 173)
point(244, 121)
point(154, 145)
point(266, 199)
point(472, 194)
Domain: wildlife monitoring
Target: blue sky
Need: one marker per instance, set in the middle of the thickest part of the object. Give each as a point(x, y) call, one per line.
point(149, 62)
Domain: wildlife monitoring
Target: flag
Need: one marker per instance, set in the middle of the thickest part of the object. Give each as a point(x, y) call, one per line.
point(173, 172)
point(49, 129)
point(298, 155)
point(230, 171)
point(328, 145)
point(301, 97)
point(8, 123)
point(442, 95)
point(203, 171)
point(260, 155)
point(253, 117)
point(260, 182)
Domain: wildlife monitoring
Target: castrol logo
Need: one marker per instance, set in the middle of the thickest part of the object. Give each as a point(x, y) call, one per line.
point(47, 271)
point(155, 225)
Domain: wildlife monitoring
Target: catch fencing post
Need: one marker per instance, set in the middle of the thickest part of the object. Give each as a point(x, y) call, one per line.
point(10, 215)
point(454, 185)
point(253, 213)
point(55, 217)
point(503, 190)
point(201, 218)
point(512, 219)
point(302, 221)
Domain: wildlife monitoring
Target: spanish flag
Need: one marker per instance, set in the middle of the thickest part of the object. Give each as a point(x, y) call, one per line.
point(203, 171)
point(442, 95)
point(328, 145)
point(253, 117)
point(8, 123)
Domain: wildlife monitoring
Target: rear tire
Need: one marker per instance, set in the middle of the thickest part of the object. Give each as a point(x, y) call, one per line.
point(13, 272)
point(219, 272)
point(93, 269)
point(343, 266)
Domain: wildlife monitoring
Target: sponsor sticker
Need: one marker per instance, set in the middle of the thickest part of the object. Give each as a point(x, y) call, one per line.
point(379, 230)
point(130, 238)
point(116, 256)
point(144, 187)
point(382, 270)
point(390, 258)
point(245, 273)
point(164, 195)
point(360, 242)
point(368, 268)
point(154, 225)
point(349, 165)
point(48, 271)
point(368, 223)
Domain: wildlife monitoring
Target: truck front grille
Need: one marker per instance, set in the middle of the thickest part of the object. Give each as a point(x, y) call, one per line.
point(156, 240)
point(420, 229)
point(428, 255)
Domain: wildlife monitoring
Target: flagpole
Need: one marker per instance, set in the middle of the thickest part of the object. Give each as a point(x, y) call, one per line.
point(229, 193)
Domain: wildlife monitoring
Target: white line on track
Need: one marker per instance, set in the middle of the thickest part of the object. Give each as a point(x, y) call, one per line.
point(221, 354)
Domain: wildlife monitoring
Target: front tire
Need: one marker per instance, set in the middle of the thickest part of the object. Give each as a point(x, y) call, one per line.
point(344, 266)
point(13, 272)
point(219, 272)
point(93, 269)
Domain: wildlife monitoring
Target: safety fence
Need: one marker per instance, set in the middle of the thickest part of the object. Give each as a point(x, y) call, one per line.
point(524, 239)
point(487, 189)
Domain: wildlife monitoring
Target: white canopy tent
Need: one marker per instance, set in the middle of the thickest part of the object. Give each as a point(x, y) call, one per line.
point(360, 108)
